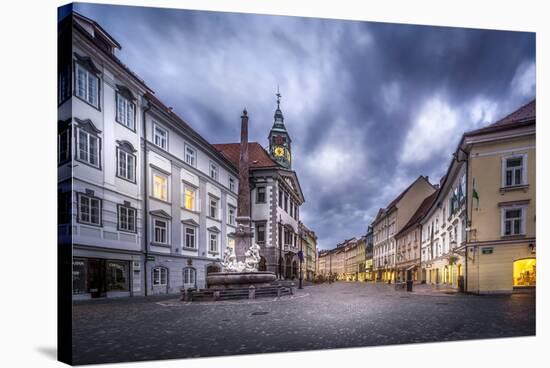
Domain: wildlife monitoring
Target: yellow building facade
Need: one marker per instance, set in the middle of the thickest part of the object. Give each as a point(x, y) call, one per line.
point(501, 247)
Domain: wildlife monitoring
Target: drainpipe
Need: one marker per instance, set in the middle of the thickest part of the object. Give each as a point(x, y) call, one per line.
point(145, 199)
point(467, 161)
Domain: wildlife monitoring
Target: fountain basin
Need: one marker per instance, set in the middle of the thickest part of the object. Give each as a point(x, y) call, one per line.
point(234, 280)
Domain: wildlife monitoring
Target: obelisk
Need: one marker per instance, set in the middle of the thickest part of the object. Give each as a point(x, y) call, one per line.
point(244, 233)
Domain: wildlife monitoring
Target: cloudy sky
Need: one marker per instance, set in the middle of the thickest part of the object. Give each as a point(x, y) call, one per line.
point(369, 106)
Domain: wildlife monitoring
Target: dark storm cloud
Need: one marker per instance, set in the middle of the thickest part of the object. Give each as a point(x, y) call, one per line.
point(370, 106)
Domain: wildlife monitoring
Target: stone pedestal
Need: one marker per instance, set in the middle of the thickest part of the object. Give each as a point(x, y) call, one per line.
point(243, 237)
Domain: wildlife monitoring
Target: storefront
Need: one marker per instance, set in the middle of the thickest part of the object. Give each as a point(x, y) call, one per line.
point(97, 277)
point(525, 272)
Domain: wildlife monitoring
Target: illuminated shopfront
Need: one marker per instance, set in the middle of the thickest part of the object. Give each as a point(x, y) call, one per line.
point(525, 272)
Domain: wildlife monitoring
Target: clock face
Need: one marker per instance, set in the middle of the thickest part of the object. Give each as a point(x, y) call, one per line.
point(279, 151)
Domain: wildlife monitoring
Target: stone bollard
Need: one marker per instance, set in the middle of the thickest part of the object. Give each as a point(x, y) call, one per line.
point(251, 292)
point(188, 295)
point(279, 292)
point(291, 288)
point(183, 297)
point(216, 295)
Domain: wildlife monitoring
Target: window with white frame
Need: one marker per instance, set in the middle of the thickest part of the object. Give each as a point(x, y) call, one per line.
point(260, 195)
point(89, 209)
point(160, 276)
point(160, 186)
point(514, 171)
point(213, 171)
point(213, 208)
point(126, 164)
point(190, 156)
point(213, 242)
point(64, 145)
point(189, 197)
point(231, 214)
point(232, 185)
point(127, 218)
point(260, 232)
point(88, 147)
point(160, 136)
point(513, 220)
point(160, 231)
point(86, 85)
point(125, 111)
point(189, 276)
point(190, 238)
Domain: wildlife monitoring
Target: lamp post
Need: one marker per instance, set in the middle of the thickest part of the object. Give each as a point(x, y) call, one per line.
point(280, 247)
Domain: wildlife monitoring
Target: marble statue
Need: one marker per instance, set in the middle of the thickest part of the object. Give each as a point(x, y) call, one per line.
point(250, 264)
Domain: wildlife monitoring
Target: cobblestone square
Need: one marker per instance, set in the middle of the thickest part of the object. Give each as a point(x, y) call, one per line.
point(337, 315)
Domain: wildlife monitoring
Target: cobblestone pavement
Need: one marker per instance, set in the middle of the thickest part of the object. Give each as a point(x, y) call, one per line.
point(324, 316)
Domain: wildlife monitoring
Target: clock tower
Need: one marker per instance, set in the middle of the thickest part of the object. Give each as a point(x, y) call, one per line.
point(279, 140)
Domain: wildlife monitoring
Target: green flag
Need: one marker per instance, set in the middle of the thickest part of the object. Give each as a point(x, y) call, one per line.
point(474, 194)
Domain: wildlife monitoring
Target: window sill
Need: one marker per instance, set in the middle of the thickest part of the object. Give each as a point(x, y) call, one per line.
point(189, 249)
point(213, 253)
point(88, 164)
point(191, 211)
point(214, 219)
point(511, 237)
point(160, 200)
point(160, 245)
point(514, 188)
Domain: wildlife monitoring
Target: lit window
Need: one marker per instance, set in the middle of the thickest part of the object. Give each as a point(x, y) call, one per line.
point(125, 111)
point(126, 165)
point(89, 209)
point(513, 221)
point(515, 171)
point(160, 233)
point(88, 147)
point(190, 156)
point(87, 86)
point(126, 218)
point(160, 136)
point(160, 276)
point(160, 187)
point(189, 198)
point(213, 244)
point(190, 237)
point(213, 171)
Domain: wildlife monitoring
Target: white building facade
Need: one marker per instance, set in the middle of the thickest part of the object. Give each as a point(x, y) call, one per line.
point(444, 230)
point(99, 184)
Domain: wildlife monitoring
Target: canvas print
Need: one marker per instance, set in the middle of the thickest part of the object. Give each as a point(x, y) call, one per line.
point(243, 183)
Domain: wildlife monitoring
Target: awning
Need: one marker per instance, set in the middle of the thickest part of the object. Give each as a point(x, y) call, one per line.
point(410, 267)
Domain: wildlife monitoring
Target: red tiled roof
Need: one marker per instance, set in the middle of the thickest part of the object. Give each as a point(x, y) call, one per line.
point(523, 116)
point(420, 212)
point(257, 155)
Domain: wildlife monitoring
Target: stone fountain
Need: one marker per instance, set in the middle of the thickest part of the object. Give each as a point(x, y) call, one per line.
point(241, 263)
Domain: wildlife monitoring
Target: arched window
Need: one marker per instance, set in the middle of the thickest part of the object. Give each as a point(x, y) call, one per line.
point(189, 277)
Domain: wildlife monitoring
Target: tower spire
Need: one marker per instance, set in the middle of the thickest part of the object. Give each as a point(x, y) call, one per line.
point(279, 118)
